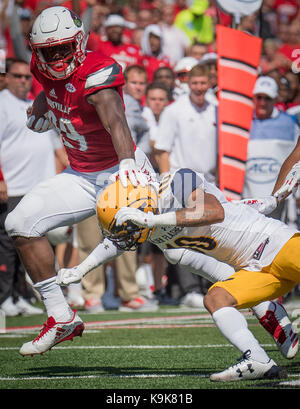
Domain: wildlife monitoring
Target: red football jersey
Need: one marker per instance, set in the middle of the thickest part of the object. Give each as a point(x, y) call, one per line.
point(89, 146)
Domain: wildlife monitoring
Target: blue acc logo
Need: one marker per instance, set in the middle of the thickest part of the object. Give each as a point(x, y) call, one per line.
point(262, 170)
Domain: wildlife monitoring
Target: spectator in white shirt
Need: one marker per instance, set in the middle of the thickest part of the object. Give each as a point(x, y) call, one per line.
point(187, 134)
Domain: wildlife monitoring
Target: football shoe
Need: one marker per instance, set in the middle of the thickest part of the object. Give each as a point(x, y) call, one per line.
point(52, 334)
point(277, 323)
point(246, 369)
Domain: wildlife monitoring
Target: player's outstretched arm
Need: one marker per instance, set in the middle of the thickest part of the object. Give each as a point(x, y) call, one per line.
point(103, 253)
point(289, 175)
point(202, 209)
point(109, 107)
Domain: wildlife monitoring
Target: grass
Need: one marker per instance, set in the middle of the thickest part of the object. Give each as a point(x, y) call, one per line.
point(172, 349)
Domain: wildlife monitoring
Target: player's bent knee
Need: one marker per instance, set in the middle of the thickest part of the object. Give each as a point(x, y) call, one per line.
point(11, 223)
point(15, 225)
point(217, 298)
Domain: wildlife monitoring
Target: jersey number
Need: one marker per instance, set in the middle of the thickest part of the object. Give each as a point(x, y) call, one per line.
point(66, 127)
point(195, 243)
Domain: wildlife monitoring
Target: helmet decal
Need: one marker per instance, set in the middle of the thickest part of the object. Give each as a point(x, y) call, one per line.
point(76, 19)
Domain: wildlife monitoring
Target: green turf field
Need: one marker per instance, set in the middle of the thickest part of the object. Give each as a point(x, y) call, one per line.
point(173, 348)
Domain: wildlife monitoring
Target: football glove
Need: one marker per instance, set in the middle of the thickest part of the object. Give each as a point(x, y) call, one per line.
point(290, 183)
point(135, 216)
point(66, 276)
point(143, 219)
point(128, 169)
point(264, 205)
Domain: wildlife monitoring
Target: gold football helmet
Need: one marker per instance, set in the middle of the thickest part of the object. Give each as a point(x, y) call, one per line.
point(128, 236)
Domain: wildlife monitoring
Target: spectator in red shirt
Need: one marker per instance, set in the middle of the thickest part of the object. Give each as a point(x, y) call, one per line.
point(289, 49)
point(124, 54)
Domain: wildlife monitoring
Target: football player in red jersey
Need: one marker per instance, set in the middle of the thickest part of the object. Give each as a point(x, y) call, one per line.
point(82, 99)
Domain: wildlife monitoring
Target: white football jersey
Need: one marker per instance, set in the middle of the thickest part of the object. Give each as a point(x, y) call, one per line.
point(244, 239)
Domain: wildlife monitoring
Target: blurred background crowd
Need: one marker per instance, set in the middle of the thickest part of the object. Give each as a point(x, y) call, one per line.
point(157, 43)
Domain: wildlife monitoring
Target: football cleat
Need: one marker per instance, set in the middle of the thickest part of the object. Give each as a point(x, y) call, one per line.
point(246, 369)
point(52, 334)
point(277, 323)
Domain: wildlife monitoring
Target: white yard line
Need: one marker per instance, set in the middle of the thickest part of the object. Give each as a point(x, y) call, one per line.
point(135, 346)
point(140, 375)
point(31, 378)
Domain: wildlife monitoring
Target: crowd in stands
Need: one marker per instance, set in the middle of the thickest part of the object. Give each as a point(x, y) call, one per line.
point(157, 43)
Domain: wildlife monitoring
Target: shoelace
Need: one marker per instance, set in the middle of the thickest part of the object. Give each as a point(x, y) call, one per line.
point(45, 328)
point(244, 357)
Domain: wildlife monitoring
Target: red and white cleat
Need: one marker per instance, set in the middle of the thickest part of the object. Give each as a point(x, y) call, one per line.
point(278, 324)
point(52, 334)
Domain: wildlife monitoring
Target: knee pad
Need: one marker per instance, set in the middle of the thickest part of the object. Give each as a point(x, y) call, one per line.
point(22, 221)
point(11, 223)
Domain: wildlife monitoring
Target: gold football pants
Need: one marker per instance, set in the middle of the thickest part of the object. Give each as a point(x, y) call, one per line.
point(249, 288)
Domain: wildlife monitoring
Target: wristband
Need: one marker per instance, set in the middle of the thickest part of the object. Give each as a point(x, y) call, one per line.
point(165, 219)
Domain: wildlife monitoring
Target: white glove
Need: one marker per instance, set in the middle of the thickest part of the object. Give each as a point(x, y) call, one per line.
point(264, 205)
point(128, 169)
point(66, 276)
point(136, 216)
point(290, 183)
point(42, 125)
